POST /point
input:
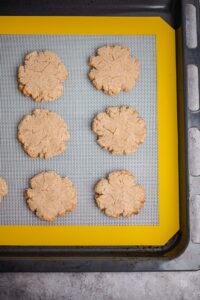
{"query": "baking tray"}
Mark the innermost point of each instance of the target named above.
(84, 161)
(178, 252)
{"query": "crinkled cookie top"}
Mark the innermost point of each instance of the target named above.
(51, 195)
(42, 76)
(3, 188)
(119, 194)
(119, 130)
(113, 69)
(43, 134)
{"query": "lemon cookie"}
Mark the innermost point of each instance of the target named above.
(42, 76)
(119, 130)
(119, 194)
(3, 188)
(51, 195)
(43, 134)
(114, 69)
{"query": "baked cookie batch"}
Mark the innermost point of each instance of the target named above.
(44, 133)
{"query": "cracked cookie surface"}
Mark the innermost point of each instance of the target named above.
(113, 69)
(119, 194)
(119, 129)
(42, 76)
(43, 134)
(3, 188)
(51, 195)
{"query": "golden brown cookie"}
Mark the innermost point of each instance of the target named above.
(119, 130)
(113, 69)
(51, 195)
(3, 188)
(42, 76)
(43, 134)
(119, 194)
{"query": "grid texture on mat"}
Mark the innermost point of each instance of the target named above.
(84, 162)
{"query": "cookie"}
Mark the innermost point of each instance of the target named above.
(119, 194)
(3, 188)
(119, 130)
(43, 134)
(113, 69)
(42, 76)
(51, 195)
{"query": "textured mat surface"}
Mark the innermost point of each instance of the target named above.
(84, 162)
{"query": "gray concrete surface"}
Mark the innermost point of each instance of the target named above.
(101, 286)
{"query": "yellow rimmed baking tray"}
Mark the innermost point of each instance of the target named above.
(168, 185)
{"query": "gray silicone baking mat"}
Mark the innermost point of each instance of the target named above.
(84, 162)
